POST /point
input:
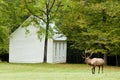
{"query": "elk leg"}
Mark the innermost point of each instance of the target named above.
(102, 68)
(98, 69)
(93, 70)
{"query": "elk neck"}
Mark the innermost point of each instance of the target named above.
(88, 60)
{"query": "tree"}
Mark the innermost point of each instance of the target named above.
(92, 25)
(46, 11)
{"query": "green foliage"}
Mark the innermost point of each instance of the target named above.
(4, 39)
(12, 14)
(92, 25)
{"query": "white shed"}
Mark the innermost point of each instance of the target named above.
(28, 48)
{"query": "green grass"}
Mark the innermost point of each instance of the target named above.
(55, 72)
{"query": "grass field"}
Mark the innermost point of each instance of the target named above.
(55, 72)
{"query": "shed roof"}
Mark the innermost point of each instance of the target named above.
(59, 37)
(56, 36)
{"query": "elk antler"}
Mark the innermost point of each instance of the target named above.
(91, 54)
(84, 54)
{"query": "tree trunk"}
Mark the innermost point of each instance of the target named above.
(47, 29)
(45, 50)
(46, 40)
(116, 60)
(105, 58)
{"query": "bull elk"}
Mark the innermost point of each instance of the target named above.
(94, 62)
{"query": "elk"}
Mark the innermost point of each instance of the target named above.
(94, 62)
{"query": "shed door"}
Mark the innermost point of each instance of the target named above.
(59, 51)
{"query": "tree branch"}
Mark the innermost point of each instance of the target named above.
(52, 6)
(33, 13)
(42, 11)
(58, 6)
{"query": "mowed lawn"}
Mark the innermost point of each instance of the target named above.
(55, 72)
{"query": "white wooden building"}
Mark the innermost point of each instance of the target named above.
(28, 48)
